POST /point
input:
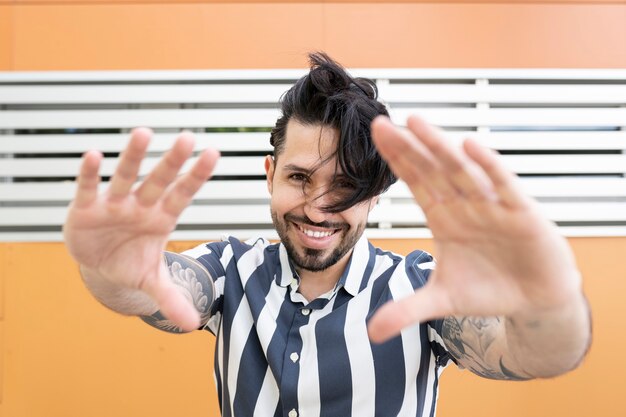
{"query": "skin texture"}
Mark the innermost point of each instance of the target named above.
(118, 236)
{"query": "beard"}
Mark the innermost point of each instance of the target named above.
(316, 260)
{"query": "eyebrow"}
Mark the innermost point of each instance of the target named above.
(296, 168)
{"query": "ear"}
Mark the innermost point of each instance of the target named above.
(269, 172)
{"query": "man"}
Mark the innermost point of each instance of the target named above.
(304, 327)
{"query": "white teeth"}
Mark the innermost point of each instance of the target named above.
(317, 235)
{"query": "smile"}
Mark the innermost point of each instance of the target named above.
(316, 233)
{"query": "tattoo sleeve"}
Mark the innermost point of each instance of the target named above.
(473, 342)
(194, 281)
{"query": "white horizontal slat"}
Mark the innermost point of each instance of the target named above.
(565, 164)
(171, 118)
(292, 74)
(259, 141)
(192, 118)
(142, 94)
(392, 214)
(79, 143)
(193, 215)
(590, 187)
(270, 233)
(271, 93)
(533, 140)
(253, 165)
(408, 214)
(503, 93)
(593, 187)
(244, 190)
(548, 117)
(69, 167)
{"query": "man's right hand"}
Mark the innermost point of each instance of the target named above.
(119, 235)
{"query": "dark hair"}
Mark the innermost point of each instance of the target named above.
(329, 96)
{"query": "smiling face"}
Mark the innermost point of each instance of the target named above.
(302, 180)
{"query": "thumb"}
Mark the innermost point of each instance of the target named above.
(427, 303)
(173, 304)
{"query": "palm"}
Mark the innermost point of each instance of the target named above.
(496, 253)
(120, 234)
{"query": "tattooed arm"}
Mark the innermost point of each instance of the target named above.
(520, 347)
(189, 277)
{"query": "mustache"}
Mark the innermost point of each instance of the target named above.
(306, 220)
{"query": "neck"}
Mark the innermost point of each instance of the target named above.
(315, 283)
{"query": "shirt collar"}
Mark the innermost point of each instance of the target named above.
(351, 277)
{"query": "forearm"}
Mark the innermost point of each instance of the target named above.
(523, 346)
(549, 343)
(120, 299)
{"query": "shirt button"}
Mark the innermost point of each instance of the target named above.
(306, 311)
(294, 357)
(293, 413)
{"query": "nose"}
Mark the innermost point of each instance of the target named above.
(314, 204)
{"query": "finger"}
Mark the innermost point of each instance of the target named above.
(411, 162)
(179, 196)
(427, 303)
(166, 170)
(172, 303)
(88, 179)
(504, 181)
(130, 160)
(461, 171)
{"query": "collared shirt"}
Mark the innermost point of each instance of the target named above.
(279, 355)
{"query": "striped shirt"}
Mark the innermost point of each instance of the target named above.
(279, 355)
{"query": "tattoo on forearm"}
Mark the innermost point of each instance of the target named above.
(469, 338)
(194, 281)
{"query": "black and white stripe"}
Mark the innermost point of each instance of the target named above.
(278, 355)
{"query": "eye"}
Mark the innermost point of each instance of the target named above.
(298, 177)
(346, 185)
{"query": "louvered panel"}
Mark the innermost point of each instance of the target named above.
(564, 131)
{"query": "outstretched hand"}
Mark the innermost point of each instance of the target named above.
(120, 234)
(497, 254)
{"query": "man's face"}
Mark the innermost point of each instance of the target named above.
(315, 240)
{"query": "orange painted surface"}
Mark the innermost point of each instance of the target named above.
(185, 36)
(277, 35)
(480, 35)
(305, 1)
(67, 356)
(6, 37)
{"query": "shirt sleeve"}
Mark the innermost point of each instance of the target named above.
(419, 266)
(214, 256)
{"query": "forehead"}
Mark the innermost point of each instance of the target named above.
(307, 145)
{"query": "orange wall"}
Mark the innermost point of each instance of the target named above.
(63, 355)
(66, 35)
(67, 356)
